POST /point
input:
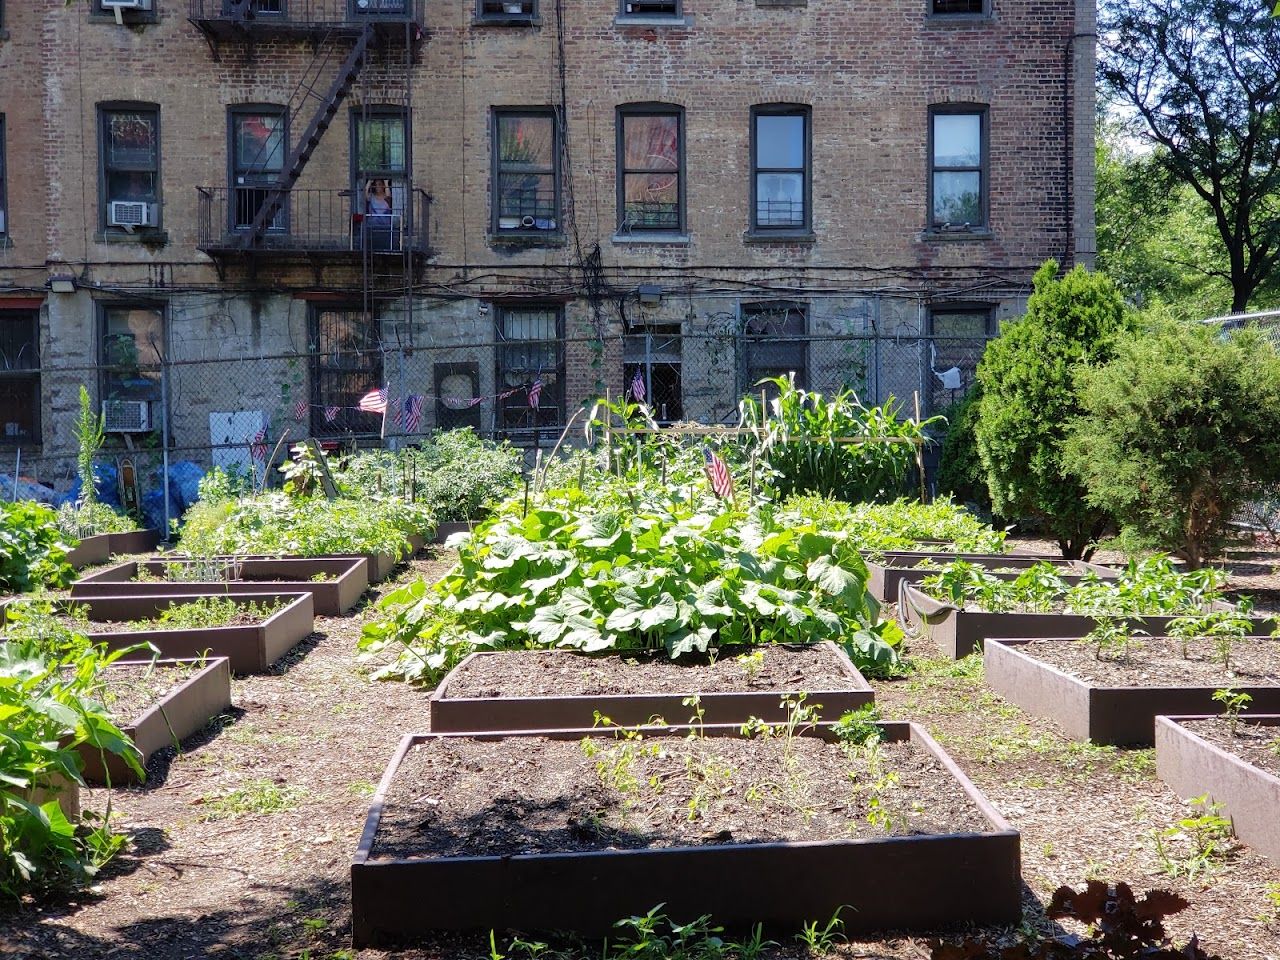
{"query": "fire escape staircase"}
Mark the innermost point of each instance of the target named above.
(330, 102)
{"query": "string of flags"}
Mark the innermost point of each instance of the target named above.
(411, 411)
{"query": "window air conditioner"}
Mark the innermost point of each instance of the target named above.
(131, 213)
(126, 4)
(1, 223)
(126, 416)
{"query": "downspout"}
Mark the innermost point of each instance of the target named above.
(1070, 102)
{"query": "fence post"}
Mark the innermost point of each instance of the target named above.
(164, 444)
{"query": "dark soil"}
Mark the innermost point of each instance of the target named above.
(464, 797)
(550, 674)
(275, 885)
(127, 691)
(1255, 743)
(242, 618)
(1158, 662)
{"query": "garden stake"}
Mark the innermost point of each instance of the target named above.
(526, 494)
(919, 445)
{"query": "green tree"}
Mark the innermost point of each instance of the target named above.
(960, 470)
(1028, 401)
(1181, 429)
(1202, 78)
(1156, 239)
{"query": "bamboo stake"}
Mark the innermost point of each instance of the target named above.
(919, 444)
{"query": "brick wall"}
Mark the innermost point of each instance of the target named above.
(868, 73)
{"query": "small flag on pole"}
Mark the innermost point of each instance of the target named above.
(637, 385)
(300, 409)
(330, 414)
(535, 393)
(412, 412)
(258, 448)
(718, 474)
(375, 401)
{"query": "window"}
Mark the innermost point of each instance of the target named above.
(19, 377)
(958, 335)
(132, 14)
(949, 7)
(380, 175)
(773, 343)
(530, 349)
(4, 205)
(379, 8)
(130, 158)
(654, 352)
(258, 143)
(269, 8)
(526, 172)
(651, 8)
(346, 363)
(957, 180)
(650, 169)
(133, 349)
(780, 168)
(507, 10)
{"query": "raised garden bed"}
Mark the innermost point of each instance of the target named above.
(135, 541)
(1198, 755)
(557, 689)
(447, 529)
(345, 580)
(1117, 702)
(957, 633)
(522, 831)
(158, 705)
(250, 648)
(90, 551)
(894, 568)
(66, 791)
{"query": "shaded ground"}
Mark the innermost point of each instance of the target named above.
(241, 845)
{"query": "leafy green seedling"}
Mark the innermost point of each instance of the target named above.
(1233, 701)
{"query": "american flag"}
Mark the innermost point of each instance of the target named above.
(637, 385)
(300, 409)
(258, 448)
(508, 393)
(474, 402)
(412, 412)
(718, 474)
(330, 414)
(535, 393)
(397, 416)
(375, 401)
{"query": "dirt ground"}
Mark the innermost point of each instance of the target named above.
(240, 846)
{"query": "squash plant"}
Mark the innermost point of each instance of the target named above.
(33, 550)
(635, 566)
(46, 714)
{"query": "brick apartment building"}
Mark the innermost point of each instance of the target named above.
(224, 215)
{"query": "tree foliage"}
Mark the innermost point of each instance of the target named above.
(1156, 238)
(1182, 428)
(1028, 401)
(960, 471)
(1203, 80)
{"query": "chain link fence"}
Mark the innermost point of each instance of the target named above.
(175, 419)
